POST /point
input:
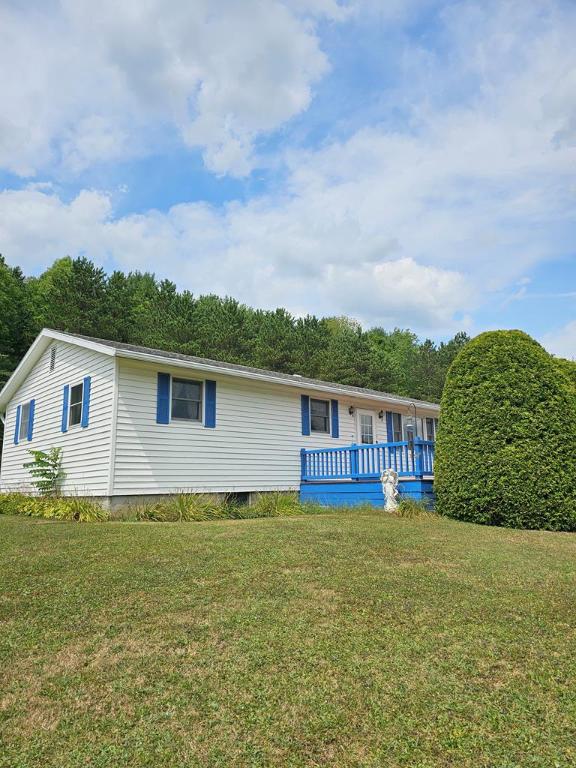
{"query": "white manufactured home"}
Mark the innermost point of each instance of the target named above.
(135, 422)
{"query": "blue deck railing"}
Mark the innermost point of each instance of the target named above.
(355, 462)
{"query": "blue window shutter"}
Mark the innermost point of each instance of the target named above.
(31, 419)
(305, 405)
(17, 426)
(65, 403)
(163, 399)
(389, 427)
(335, 424)
(210, 404)
(86, 402)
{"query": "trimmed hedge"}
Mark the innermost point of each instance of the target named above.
(506, 448)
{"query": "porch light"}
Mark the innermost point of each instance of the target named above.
(351, 410)
(412, 421)
(380, 415)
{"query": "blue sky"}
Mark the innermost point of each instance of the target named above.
(407, 162)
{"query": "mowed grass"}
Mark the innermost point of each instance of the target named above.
(347, 639)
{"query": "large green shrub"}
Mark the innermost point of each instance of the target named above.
(506, 449)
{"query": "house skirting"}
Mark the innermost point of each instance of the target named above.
(354, 492)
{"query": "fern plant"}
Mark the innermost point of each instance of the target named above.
(46, 469)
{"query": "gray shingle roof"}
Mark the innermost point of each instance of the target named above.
(294, 379)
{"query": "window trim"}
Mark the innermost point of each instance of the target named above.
(434, 427)
(23, 435)
(399, 431)
(328, 416)
(79, 423)
(200, 419)
(374, 416)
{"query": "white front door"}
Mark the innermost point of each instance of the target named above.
(366, 427)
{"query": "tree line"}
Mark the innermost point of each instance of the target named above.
(77, 296)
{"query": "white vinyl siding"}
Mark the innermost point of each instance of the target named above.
(255, 445)
(86, 452)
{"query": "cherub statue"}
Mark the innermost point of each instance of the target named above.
(389, 481)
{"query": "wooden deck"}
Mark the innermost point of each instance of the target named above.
(352, 475)
(358, 462)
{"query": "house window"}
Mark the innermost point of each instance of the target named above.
(76, 397)
(186, 399)
(24, 420)
(320, 416)
(396, 427)
(431, 427)
(366, 428)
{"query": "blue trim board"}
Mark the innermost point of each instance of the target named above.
(85, 419)
(389, 427)
(31, 419)
(210, 408)
(17, 425)
(305, 409)
(354, 492)
(421, 490)
(163, 399)
(335, 421)
(65, 402)
(343, 494)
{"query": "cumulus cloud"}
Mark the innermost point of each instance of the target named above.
(225, 252)
(89, 84)
(415, 226)
(562, 341)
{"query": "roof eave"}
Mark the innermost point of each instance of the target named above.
(39, 345)
(271, 379)
(47, 335)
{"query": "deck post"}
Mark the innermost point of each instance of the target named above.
(303, 463)
(418, 457)
(354, 461)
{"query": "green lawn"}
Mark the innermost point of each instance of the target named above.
(336, 640)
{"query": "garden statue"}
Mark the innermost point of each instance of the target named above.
(390, 488)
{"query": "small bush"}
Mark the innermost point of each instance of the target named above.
(46, 469)
(273, 504)
(411, 508)
(64, 508)
(184, 507)
(198, 507)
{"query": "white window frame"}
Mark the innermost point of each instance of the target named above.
(23, 433)
(434, 421)
(399, 431)
(200, 419)
(417, 427)
(79, 423)
(320, 431)
(374, 415)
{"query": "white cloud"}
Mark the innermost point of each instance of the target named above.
(89, 84)
(562, 341)
(261, 258)
(415, 227)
